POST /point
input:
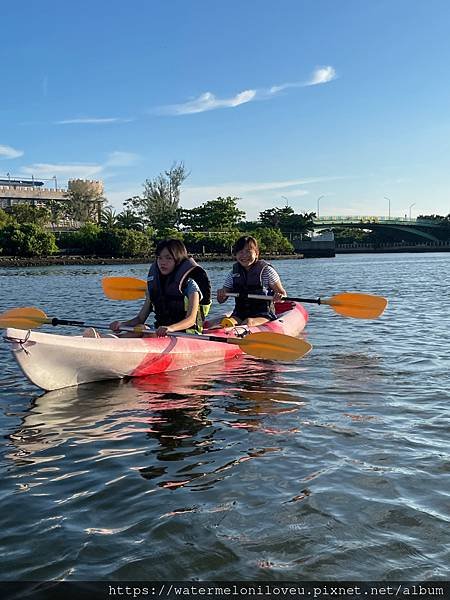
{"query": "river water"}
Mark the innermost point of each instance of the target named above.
(334, 467)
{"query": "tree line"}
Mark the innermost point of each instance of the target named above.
(210, 228)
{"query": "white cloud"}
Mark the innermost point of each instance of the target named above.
(9, 152)
(82, 171)
(322, 75)
(92, 121)
(208, 101)
(69, 171)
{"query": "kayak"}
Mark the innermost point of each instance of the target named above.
(53, 361)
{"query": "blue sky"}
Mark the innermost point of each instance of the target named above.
(272, 102)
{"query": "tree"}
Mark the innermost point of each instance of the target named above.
(27, 213)
(128, 219)
(27, 239)
(287, 220)
(4, 218)
(108, 217)
(159, 203)
(221, 214)
(83, 202)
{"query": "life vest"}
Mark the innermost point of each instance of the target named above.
(250, 282)
(167, 293)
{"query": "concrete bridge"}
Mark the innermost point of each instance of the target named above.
(401, 227)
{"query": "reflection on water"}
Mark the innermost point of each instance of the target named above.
(332, 467)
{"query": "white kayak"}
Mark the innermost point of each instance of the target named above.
(53, 361)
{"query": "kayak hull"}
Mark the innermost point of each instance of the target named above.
(53, 361)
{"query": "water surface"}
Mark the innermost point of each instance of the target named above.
(334, 467)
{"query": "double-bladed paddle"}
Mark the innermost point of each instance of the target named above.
(348, 304)
(271, 346)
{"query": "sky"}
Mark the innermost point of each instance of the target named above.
(336, 107)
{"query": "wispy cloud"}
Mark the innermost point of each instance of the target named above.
(114, 159)
(9, 152)
(92, 121)
(208, 101)
(68, 171)
(121, 159)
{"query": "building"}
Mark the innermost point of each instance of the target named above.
(33, 192)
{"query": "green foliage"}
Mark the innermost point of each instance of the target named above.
(82, 204)
(123, 243)
(27, 213)
(108, 217)
(166, 233)
(221, 214)
(128, 219)
(272, 240)
(27, 239)
(350, 235)
(199, 242)
(159, 203)
(86, 237)
(287, 220)
(5, 219)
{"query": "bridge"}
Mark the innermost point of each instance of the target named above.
(401, 227)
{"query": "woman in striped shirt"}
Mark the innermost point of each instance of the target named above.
(251, 275)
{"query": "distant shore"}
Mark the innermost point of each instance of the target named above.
(18, 261)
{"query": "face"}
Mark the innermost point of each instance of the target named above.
(247, 256)
(165, 261)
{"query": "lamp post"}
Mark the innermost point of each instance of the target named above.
(389, 200)
(318, 204)
(56, 183)
(410, 207)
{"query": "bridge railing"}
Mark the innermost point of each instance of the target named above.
(331, 220)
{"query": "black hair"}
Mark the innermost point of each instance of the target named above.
(176, 249)
(243, 241)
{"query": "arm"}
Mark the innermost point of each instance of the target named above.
(278, 291)
(187, 322)
(275, 284)
(139, 319)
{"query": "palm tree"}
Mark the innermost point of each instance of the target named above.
(108, 217)
(128, 219)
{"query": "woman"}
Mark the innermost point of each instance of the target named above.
(178, 291)
(251, 275)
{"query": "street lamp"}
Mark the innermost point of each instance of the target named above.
(389, 200)
(9, 178)
(318, 204)
(56, 183)
(410, 207)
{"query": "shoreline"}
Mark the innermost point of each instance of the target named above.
(16, 261)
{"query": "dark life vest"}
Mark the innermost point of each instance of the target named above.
(250, 282)
(167, 293)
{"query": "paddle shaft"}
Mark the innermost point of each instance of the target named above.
(213, 338)
(270, 298)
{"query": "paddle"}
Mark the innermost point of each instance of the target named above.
(348, 304)
(271, 346)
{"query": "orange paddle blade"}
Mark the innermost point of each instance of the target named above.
(357, 305)
(124, 288)
(273, 346)
(23, 318)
